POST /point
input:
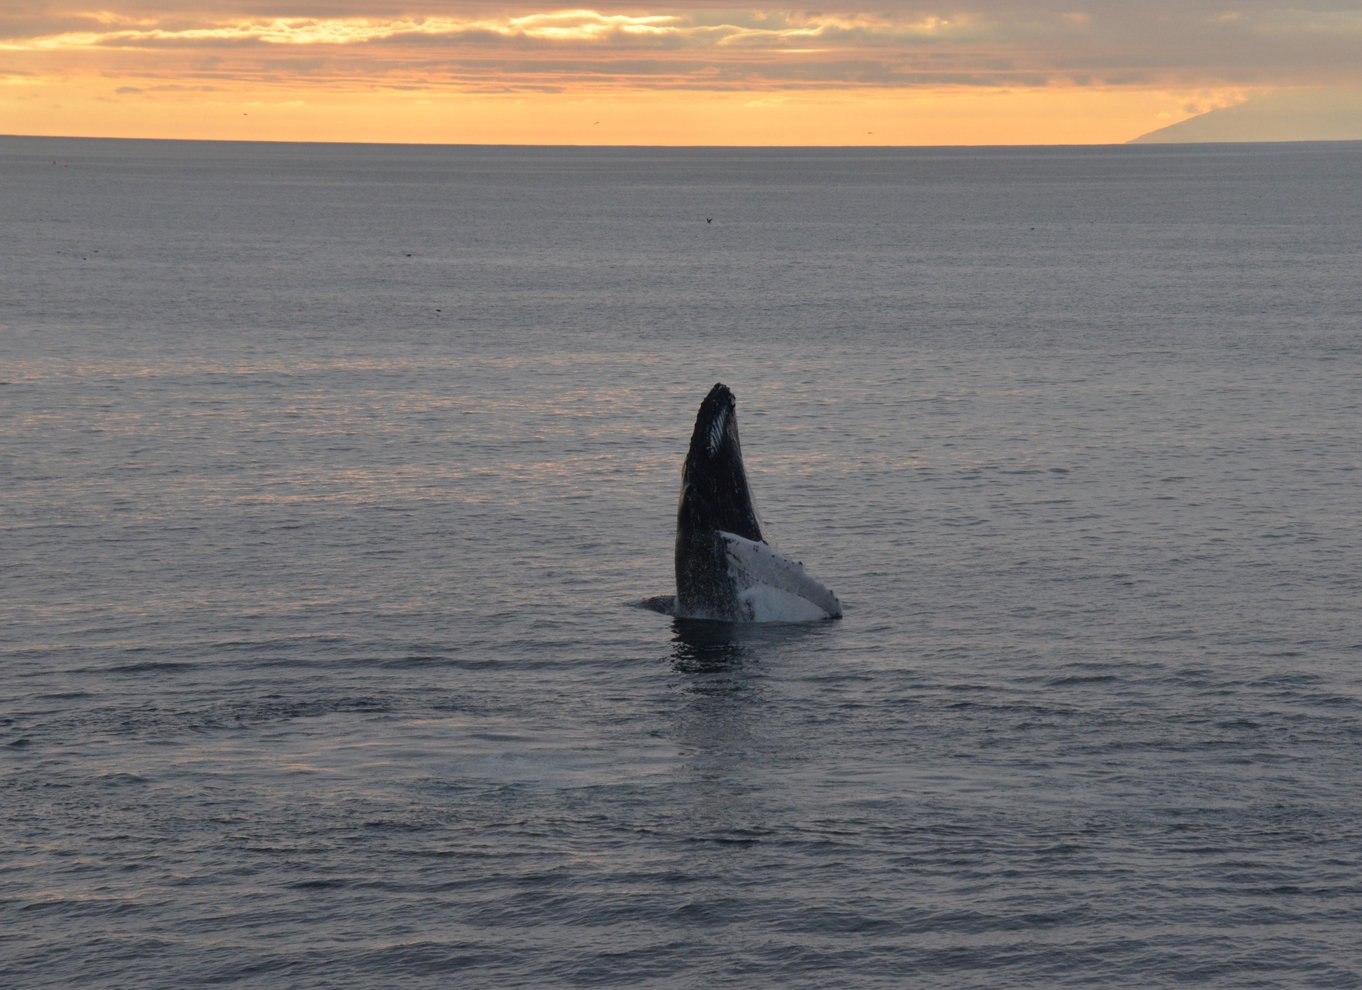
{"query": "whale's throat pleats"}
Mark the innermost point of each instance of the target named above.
(716, 430)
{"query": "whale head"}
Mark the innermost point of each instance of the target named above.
(714, 490)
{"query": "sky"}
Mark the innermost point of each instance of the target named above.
(673, 72)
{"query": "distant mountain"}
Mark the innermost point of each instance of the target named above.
(1299, 115)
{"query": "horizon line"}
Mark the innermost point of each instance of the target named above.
(1132, 142)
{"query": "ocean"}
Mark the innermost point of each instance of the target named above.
(335, 479)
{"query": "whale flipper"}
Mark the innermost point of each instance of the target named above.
(775, 588)
(725, 569)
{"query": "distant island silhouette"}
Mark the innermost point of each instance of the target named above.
(1289, 115)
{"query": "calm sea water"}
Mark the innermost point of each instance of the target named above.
(332, 479)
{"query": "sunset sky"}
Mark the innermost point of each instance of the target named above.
(901, 72)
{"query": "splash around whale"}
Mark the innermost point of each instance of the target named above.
(725, 569)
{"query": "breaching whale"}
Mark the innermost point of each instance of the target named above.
(725, 569)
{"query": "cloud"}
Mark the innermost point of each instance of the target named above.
(164, 88)
(561, 29)
(906, 43)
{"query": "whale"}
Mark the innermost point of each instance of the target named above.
(726, 571)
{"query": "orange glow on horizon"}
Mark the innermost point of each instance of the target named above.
(759, 118)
